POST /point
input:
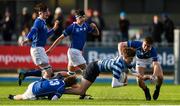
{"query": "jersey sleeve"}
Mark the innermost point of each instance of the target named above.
(60, 90)
(154, 54)
(134, 44)
(68, 30)
(50, 32)
(34, 29)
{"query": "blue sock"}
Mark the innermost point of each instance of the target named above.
(36, 73)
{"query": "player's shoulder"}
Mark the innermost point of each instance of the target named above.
(153, 49)
(38, 21)
(86, 23)
(134, 43)
(72, 25)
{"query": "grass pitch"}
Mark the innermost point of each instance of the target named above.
(103, 94)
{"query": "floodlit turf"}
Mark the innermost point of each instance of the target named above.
(103, 95)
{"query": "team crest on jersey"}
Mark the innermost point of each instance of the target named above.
(77, 29)
(80, 29)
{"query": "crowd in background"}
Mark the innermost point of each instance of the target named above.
(162, 26)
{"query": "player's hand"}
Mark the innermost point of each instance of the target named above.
(146, 77)
(55, 97)
(56, 25)
(140, 76)
(23, 43)
(93, 25)
(153, 79)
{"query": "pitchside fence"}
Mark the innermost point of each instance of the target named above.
(177, 56)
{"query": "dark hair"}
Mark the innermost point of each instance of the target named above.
(80, 12)
(148, 40)
(129, 52)
(41, 7)
(69, 81)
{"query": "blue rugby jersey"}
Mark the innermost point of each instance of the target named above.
(142, 54)
(78, 34)
(116, 66)
(47, 87)
(39, 33)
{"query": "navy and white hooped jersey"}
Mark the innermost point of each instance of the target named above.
(78, 34)
(140, 53)
(116, 66)
(39, 33)
(47, 87)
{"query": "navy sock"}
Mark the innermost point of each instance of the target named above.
(36, 73)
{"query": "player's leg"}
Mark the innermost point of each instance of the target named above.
(157, 71)
(47, 71)
(81, 89)
(40, 58)
(82, 67)
(71, 69)
(75, 60)
(89, 76)
(24, 74)
(16, 97)
(28, 94)
(142, 84)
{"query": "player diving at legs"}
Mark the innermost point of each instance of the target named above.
(115, 65)
(37, 36)
(51, 89)
(146, 55)
(77, 32)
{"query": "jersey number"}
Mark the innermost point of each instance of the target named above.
(54, 82)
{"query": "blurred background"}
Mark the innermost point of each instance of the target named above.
(117, 20)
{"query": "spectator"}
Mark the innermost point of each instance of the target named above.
(33, 17)
(71, 18)
(58, 16)
(23, 37)
(24, 18)
(168, 28)
(89, 14)
(7, 27)
(156, 29)
(49, 21)
(99, 21)
(124, 26)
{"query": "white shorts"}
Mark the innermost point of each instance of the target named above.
(143, 62)
(39, 56)
(75, 57)
(29, 94)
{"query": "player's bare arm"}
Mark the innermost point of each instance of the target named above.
(121, 46)
(56, 25)
(56, 42)
(25, 42)
(96, 29)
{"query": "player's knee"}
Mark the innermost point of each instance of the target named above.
(47, 71)
(160, 78)
(82, 66)
(140, 82)
(82, 92)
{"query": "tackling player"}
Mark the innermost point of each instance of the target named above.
(37, 36)
(116, 65)
(77, 32)
(145, 55)
(53, 89)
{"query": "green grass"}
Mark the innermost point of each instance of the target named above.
(103, 95)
